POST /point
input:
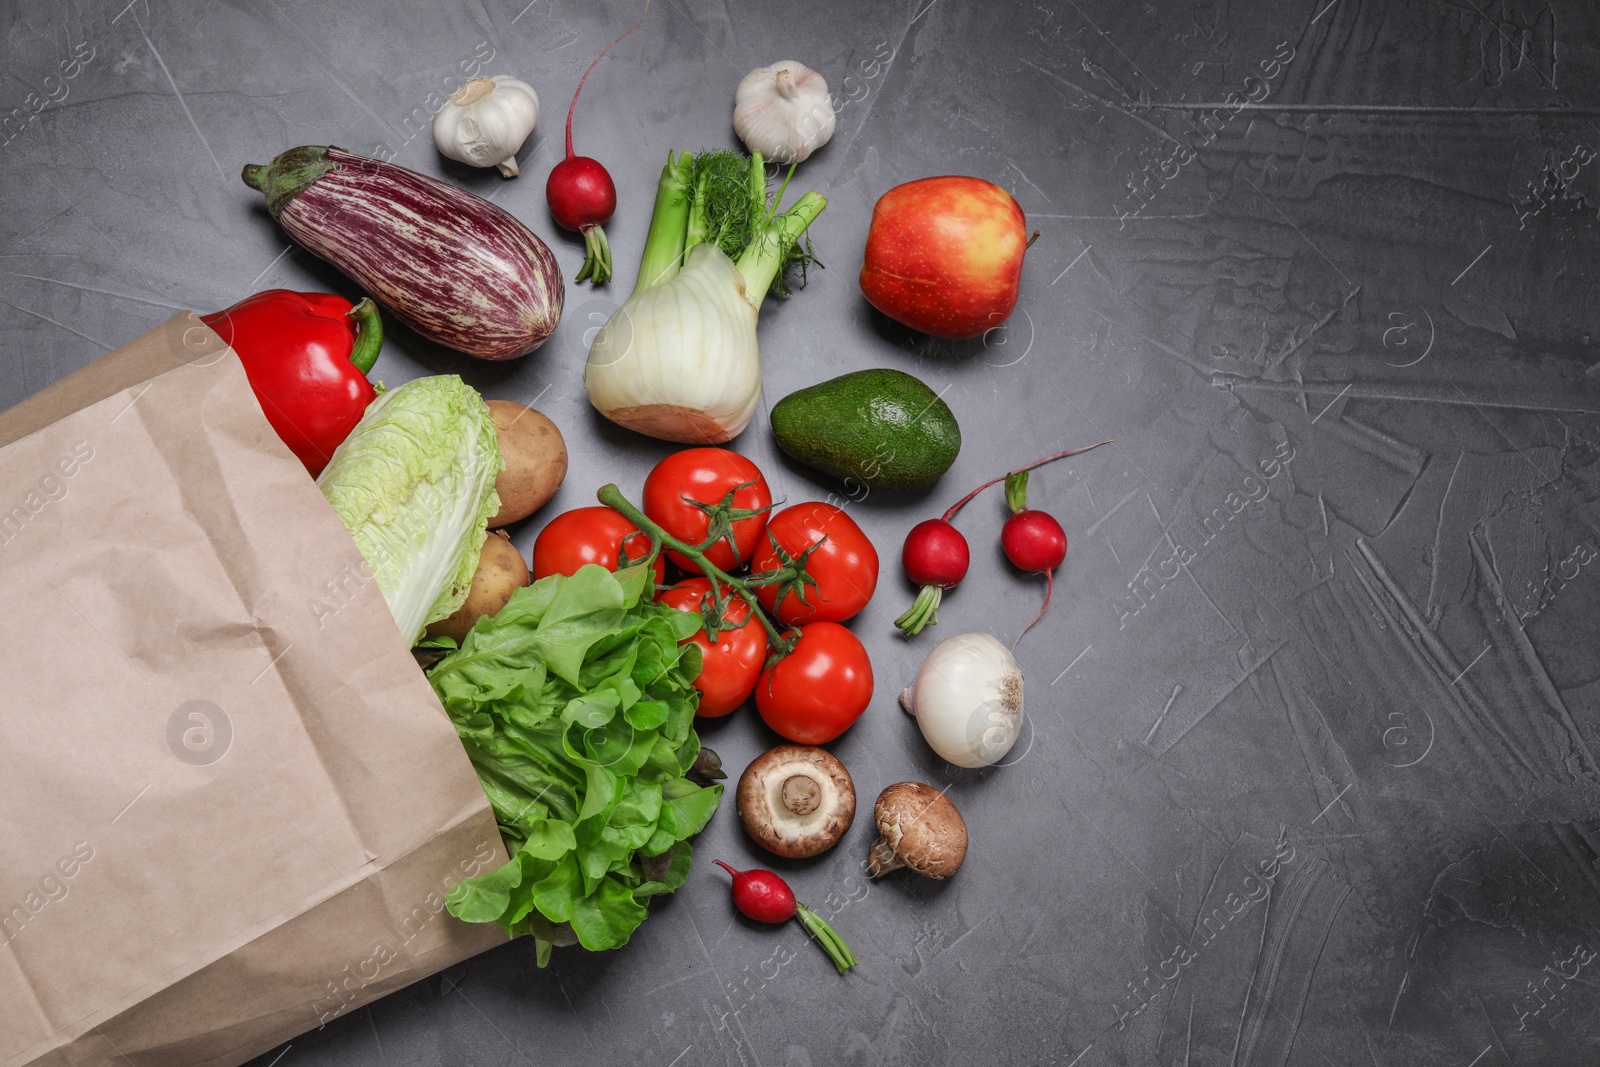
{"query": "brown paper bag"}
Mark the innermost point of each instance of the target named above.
(230, 805)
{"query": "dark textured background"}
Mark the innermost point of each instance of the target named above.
(1377, 280)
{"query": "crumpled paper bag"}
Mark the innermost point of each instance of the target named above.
(230, 805)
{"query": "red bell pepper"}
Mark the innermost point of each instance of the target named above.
(307, 356)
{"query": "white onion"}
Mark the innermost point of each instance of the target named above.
(967, 699)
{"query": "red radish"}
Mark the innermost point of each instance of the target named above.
(761, 895)
(936, 555)
(1033, 541)
(580, 190)
(766, 898)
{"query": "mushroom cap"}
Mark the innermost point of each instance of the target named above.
(796, 800)
(922, 828)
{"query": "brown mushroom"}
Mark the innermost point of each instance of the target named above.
(796, 800)
(920, 829)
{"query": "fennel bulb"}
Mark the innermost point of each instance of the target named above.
(679, 359)
(414, 484)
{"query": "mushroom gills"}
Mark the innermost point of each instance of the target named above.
(796, 801)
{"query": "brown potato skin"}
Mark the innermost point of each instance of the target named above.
(501, 572)
(536, 460)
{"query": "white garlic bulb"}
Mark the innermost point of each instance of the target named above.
(783, 111)
(485, 123)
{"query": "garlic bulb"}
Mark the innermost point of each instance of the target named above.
(783, 111)
(485, 123)
(678, 360)
(967, 700)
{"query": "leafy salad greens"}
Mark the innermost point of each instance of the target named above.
(576, 705)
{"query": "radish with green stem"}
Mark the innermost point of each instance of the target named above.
(766, 898)
(580, 191)
(1032, 540)
(936, 556)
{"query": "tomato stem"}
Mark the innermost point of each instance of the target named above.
(721, 516)
(612, 497)
(964, 501)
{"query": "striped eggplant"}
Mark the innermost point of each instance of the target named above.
(451, 265)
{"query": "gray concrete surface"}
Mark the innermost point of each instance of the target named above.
(1329, 608)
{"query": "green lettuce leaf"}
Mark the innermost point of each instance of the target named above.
(607, 917)
(677, 873)
(414, 484)
(576, 706)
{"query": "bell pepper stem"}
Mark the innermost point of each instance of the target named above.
(369, 334)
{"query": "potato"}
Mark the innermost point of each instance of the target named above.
(501, 572)
(536, 460)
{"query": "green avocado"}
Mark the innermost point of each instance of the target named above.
(880, 428)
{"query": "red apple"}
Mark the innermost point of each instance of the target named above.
(944, 255)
